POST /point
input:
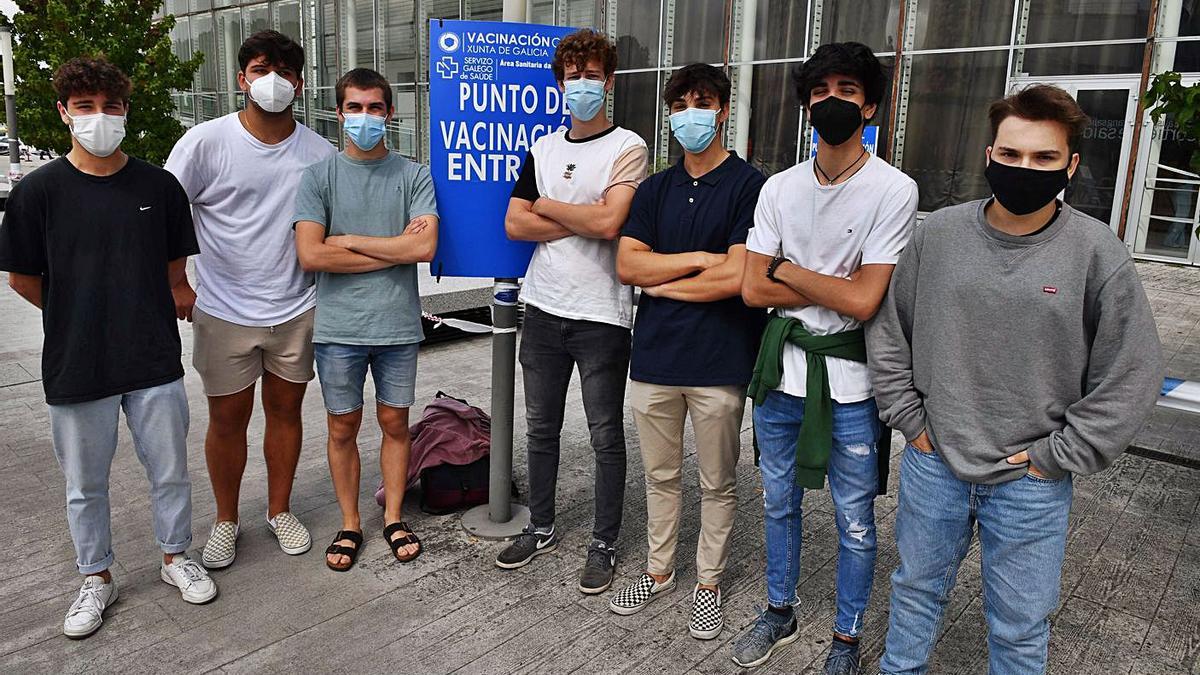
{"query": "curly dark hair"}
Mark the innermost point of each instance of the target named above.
(85, 75)
(582, 46)
(279, 49)
(1042, 103)
(697, 78)
(841, 58)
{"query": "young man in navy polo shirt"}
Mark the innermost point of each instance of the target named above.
(694, 340)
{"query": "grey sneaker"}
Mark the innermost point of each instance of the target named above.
(842, 659)
(598, 571)
(528, 545)
(770, 631)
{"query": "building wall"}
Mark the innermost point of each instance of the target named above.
(950, 58)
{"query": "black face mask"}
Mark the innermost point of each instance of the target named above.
(1023, 191)
(835, 119)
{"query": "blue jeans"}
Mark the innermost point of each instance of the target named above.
(343, 372)
(85, 440)
(1022, 534)
(853, 475)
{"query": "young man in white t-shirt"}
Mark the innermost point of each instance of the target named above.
(827, 234)
(572, 197)
(253, 308)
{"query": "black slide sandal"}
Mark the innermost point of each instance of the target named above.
(411, 538)
(337, 549)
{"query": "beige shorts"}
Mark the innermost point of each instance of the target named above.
(231, 357)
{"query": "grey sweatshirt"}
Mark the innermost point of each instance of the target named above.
(994, 344)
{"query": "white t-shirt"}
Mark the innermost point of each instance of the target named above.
(833, 230)
(576, 277)
(243, 194)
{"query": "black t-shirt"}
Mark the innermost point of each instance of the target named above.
(696, 344)
(101, 244)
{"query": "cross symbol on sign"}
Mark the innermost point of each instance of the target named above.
(447, 67)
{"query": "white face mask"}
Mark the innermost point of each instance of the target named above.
(99, 134)
(272, 93)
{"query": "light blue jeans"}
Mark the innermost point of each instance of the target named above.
(85, 441)
(853, 475)
(1022, 534)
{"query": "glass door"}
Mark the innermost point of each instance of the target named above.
(1098, 186)
(1166, 209)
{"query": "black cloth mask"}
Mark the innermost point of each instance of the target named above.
(835, 119)
(1022, 190)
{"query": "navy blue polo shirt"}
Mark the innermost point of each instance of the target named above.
(695, 344)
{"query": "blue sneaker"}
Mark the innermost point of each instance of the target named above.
(757, 644)
(842, 659)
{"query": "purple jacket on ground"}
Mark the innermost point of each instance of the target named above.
(449, 432)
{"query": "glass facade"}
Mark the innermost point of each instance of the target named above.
(949, 59)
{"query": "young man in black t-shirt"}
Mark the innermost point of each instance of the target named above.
(96, 239)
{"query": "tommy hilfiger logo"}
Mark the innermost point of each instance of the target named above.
(569, 172)
(1050, 290)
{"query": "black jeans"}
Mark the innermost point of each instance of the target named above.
(551, 346)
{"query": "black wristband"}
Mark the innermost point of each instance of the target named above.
(775, 263)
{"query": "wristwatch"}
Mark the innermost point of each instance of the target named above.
(775, 263)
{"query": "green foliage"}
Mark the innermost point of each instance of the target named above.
(50, 32)
(1166, 95)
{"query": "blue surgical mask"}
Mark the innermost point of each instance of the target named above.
(694, 128)
(584, 98)
(364, 130)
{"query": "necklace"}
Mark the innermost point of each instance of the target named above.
(831, 181)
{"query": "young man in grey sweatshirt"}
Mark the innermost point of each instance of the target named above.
(1015, 349)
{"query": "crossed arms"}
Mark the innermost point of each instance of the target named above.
(548, 220)
(355, 253)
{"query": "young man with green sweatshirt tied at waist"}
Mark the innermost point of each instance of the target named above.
(826, 236)
(1015, 349)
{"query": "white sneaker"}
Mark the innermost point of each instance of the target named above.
(292, 535)
(87, 612)
(192, 581)
(221, 547)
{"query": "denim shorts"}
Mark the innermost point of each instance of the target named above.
(342, 370)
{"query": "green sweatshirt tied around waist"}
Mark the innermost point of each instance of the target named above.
(816, 430)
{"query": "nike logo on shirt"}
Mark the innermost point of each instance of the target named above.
(143, 208)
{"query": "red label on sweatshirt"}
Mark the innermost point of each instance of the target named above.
(1050, 289)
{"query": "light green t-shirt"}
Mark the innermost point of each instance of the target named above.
(376, 198)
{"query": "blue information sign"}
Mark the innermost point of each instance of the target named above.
(491, 95)
(870, 139)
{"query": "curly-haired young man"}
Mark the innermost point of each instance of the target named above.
(572, 198)
(102, 277)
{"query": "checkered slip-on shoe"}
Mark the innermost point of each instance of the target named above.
(221, 548)
(634, 597)
(292, 535)
(706, 622)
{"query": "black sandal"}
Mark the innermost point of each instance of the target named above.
(337, 549)
(410, 539)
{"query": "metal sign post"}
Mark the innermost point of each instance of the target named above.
(468, 58)
(10, 105)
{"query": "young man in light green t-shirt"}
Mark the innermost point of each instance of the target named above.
(364, 219)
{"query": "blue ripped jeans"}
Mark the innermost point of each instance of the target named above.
(853, 476)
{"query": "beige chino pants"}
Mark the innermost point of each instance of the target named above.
(659, 412)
